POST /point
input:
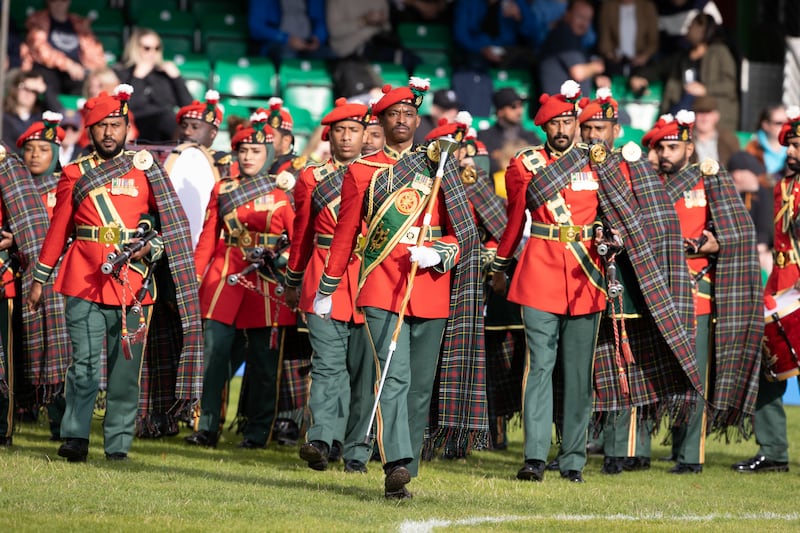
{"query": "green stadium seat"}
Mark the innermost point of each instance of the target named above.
(302, 119)
(439, 76)
(112, 45)
(519, 80)
(391, 73)
(744, 137)
(235, 106)
(232, 26)
(212, 8)
(425, 36)
(20, 11)
(482, 123)
(304, 72)
(194, 67)
(245, 78)
(136, 9)
(433, 58)
(69, 101)
(225, 49)
(317, 100)
(629, 134)
(107, 21)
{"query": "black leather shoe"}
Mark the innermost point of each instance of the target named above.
(669, 458)
(612, 465)
(397, 477)
(5, 442)
(399, 494)
(759, 463)
(354, 466)
(75, 450)
(636, 463)
(553, 465)
(315, 453)
(248, 444)
(336, 451)
(573, 476)
(117, 456)
(203, 438)
(686, 468)
(531, 471)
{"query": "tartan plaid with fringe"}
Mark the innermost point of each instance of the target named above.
(739, 321)
(664, 373)
(47, 375)
(176, 377)
(458, 417)
(24, 213)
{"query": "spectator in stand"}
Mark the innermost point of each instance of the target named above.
(746, 172)
(548, 13)
(628, 35)
(421, 11)
(707, 68)
(445, 105)
(712, 141)
(288, 28)
(564, 56)
(494, 33)
(61, 46)
(157, 84)
(70, 149)
(26, 97)
(13, 58)
(674, 17)
(507, 129)
(766, 146)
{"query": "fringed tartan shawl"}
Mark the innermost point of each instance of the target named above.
(739, 321)
(26, 216)
(459, 416)
(664, 373)
(181, 378)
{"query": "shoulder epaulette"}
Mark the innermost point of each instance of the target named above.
(532, 158)
(81, 159)
(323, 170)
(228, 184)
(527, 149)
(222, 158)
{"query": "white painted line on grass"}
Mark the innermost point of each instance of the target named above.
(427, 526)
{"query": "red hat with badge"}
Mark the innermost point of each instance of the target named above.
(279, 116)
(346, 111)
(456, 129)
(411, 95)
(647, 138)
(208, 111)
(108, 105)
(604, 107)
(564, 104)
(678, 129)
(45, 130)
(259, 131)
(791, 128)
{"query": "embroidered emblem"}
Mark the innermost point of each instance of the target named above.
(597, 153)
(406, 202)
(379, 237)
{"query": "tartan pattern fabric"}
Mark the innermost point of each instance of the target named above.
(26, 216)
(664, 368)
(505, 366)
(553, 178)
(459, 414)
(248, 190)
(296, 369)
(739, 322)
(491, 209)
(327, 190)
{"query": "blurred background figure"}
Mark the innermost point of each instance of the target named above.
(746, 172)
(61, 46)
(70, 149)
(712, 141)
(283, 29)
(25, 97)
(445, 105)
(628, 35)
(765, 144)
(158, 88)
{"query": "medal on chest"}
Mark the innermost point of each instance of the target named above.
(422, 183)
(583, 181)
(264, 203)
(51, 199)
(124, 187)
(695, 198)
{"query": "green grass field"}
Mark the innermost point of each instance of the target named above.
(169, 486)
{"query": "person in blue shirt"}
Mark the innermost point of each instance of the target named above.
(289, 28)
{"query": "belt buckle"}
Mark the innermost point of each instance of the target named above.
(780, 260)
(569, 233)
(108, 234)
(245, 239)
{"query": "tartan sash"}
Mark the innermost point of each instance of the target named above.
(98, 176)
(328, 189)
(490, 208)
(247, 190)
(739, 320)
(554, 177)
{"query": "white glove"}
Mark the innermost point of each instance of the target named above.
(425, 257)
(322, 304)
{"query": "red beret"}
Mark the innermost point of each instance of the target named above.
(107, 105)
(325, 133)
(279, 116)
(648, 137)
(679, 129)
(258, 133)
(411, 95)
(345, 111)
(45, 130)
(443, 129)
(566, 103)
(604, 107)
(791, 128)
(207, 111)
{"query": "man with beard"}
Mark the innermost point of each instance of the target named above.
(769, 422)
(721, 256)
(558, 282)
(112, 199)
(199, 123)
(390, 190)
(342, 372)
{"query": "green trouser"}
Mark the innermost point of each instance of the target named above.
(572, 339)
(689, 440)
(405, 401)
(342, 378)
(7, 400)
(55, 412)
(769, 422)
(225, 348)
(625, 436)
(90, 324)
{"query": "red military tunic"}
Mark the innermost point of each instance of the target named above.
(693, 214)
(215, 260)
(785, 270)
(385, 286)
(548, 276)
(80, 274)
(310, 249)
